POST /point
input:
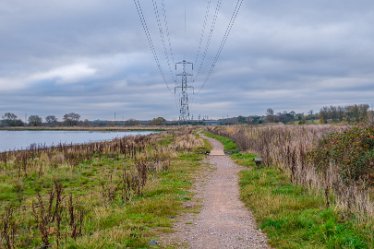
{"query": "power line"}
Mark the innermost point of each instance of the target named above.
(224, 40)
(212, 27)
(202, 35)
(202, 49)
(162, 37)
(167, 30)
(149, 39)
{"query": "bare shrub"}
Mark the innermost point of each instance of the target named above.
(8, 229)
(76, 216)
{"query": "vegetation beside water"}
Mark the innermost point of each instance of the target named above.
(291, 215)
(103, 195)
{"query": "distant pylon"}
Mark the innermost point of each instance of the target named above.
(184, 111)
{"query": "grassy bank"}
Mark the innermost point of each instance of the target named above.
(291, 216)
(110, 199)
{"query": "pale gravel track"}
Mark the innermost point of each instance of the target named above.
(223, 222)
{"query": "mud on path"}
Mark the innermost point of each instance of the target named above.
(223, 221)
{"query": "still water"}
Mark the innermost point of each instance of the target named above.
(15, 140)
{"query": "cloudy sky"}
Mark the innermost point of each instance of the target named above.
(92, 57)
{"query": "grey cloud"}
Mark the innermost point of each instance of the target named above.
(290, 54)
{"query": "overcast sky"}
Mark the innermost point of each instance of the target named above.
(92, 57)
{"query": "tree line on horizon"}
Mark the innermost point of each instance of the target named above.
(70, 119)
(327, 114)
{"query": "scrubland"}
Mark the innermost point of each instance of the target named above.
(116, 194)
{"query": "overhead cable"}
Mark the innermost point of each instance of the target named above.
(238, 5)
(150, 41)
(209, 39)
(162, 38)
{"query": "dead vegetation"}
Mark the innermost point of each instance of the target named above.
(290, 148)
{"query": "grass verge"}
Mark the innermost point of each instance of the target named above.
(229, 146)
(291, 216)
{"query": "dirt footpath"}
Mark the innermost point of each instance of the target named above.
(223, 222)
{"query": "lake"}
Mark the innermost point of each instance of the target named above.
(16, 140)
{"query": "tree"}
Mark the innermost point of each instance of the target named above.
(242, 120)
(158, 121)
(35, 120)
(51, 119)
(269, 111)
(324, 115)
(357, 113)
(284, 117)
(270, 115)
(71, 119)
(371, 117)
(10, 116)
(11, 119)
(132, 122)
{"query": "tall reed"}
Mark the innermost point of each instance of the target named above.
(289, 147)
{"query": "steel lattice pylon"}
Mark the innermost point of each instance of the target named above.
(184, 111)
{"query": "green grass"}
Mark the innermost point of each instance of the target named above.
(244, 159)
(135, 225)
(106, 225)
(229, 146)
(293, 217)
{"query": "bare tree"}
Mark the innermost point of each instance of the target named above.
(10, 116)
(51, 119)
(270, 115)
(11, 119)
(35, 120)
(158, 121)
(71, 118)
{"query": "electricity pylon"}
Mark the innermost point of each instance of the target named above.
(184, 111)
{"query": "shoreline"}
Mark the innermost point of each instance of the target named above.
(49, 144)
(82, 128)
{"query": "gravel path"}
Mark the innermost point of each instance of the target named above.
(223, 222)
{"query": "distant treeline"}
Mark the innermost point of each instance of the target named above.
(71, 119)
(327, 114)
(352, 113)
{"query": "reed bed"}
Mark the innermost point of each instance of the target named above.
(291, 148)
(53, 195)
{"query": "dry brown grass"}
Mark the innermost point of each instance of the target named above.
(287, 147)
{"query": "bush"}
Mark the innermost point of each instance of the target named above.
(352, 151)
